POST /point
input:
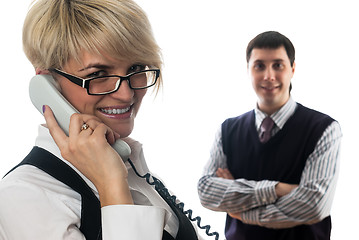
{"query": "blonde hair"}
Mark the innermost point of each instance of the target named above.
(56, 30)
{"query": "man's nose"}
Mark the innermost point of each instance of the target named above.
(269, 75)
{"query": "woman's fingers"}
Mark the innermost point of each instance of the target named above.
(102, 129)
(92, 123)
(75, 128)
(55, 130)
(89, 150)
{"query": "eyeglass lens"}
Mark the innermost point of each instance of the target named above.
(108, 84)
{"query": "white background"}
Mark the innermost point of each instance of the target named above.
(205, 82)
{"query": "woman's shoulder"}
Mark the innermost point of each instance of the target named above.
(29, 182)
(36, 204)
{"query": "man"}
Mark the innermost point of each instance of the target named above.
(275, 178)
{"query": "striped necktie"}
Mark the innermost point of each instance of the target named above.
(265, 129)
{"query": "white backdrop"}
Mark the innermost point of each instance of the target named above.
(205, 82)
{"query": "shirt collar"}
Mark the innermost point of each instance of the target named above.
(280, 117)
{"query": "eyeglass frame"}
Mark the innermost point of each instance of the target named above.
(85, 83)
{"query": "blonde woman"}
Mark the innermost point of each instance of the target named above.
(75, 41)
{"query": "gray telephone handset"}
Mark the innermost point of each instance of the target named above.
(43, 91)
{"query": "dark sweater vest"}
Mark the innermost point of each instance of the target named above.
(90, 205)
(282, 159)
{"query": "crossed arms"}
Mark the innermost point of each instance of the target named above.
(274, 204)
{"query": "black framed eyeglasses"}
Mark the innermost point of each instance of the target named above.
(108, 84)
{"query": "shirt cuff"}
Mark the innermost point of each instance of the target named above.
(264, 192)
(135, 222)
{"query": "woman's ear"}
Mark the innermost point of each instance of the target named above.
(42, 71)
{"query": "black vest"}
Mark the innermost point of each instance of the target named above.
(90, 205)
(282, 159)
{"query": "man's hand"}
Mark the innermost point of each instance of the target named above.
(283, 189)
(235, 215)
(224, 173)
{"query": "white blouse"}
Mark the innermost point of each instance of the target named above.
(34, 205)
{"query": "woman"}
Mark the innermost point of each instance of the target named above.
(87, 39)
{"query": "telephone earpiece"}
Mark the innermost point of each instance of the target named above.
(43, 90)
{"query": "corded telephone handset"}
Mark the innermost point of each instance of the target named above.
(43, 91)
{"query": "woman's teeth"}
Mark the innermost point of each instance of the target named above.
(115, 111)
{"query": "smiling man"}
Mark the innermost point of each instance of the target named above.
(273, 169)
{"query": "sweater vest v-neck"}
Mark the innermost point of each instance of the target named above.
(282, 159)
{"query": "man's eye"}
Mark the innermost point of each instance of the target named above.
(259, 66)
(278, 66)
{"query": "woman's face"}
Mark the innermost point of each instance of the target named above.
(117, 110)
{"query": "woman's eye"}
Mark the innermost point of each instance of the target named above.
(137, 68)
(96, 74)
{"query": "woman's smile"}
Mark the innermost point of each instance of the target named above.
(117, 112)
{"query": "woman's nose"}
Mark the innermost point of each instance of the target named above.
(124, 92)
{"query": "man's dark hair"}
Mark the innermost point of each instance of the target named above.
(271, 40)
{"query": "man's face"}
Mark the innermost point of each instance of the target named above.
(271, 73)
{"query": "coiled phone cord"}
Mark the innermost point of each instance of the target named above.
(160, 187)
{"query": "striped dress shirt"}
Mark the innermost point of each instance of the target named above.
(257, 201)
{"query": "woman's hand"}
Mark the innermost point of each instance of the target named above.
(90, 151)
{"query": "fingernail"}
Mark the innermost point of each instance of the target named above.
(117, 136)
(43, 108)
